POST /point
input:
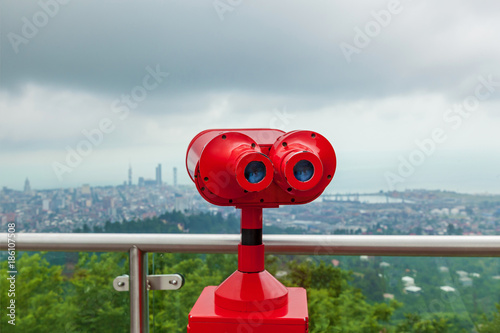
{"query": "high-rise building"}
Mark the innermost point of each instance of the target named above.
(86, 189)
(129, 175)
(158, 175)
(175, 177)
(27, 186)
(46, 205)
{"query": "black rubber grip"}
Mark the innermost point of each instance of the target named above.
(251, 236)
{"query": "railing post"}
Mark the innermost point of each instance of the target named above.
(139, 312)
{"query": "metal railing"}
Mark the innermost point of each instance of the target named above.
(138, 245)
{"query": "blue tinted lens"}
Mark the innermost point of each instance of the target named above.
(303, 170)
(255, 171)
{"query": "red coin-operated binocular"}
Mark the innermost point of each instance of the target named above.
(253, 169)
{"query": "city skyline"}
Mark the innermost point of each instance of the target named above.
(128, 181)
(87, 208)
(359, 180)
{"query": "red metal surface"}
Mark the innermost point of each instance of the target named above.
(223, 161)
(303, 145)
(251, 259)
(244, 292)
(207, 317)
(251, 218)
(251, 299)
(216, 166)
(265, 137)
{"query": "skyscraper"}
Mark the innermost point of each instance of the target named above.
(27, 186)
(129, 175)
(175, 177)
(86, 189)
(158, 175)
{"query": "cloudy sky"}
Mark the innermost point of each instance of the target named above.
(408, 92)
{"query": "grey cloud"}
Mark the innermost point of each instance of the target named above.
(281, 48)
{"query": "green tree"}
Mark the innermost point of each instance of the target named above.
(93, 304)
(169, 310)
(335, 305)
(39, 292)
(492, 326)
(415, 324)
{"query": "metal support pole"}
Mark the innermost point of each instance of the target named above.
(251, 258)
(139, 313)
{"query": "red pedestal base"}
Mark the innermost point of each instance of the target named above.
(206, 317)
(247, 292)
(251, 300)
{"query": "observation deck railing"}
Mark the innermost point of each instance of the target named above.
(138, 245)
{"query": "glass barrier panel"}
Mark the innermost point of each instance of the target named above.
(63, 292)
(352, 293)
(73, 292)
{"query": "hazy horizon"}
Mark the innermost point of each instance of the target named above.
(363, 179)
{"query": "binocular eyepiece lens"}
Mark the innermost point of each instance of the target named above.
(255, 171)
(303, 170)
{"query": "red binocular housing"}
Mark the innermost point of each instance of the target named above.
(254, 169)
(260, 167)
